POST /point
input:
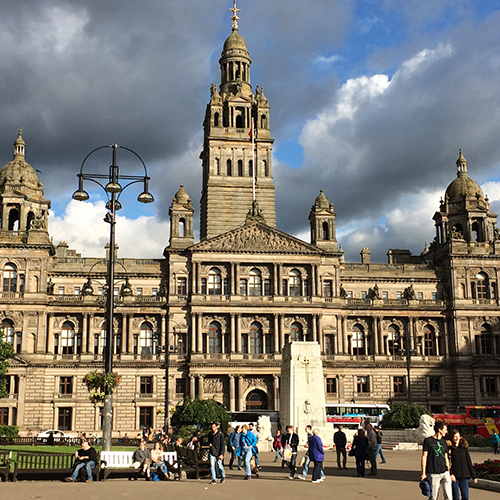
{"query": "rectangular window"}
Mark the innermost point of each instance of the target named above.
(60, 290)
(285, 287)
(399, 295)
(64, 418)
(363, 385)
(244, 344)
(331, 385)
(399, 385)
(4, 416)
(181, 286)
(146, 416)
(180, 386)
(77, 290)
(21, 283)
(363, 295)
(420, 296)
(267, 287)
(434, 295)
(385, 295)
(435, 385)
(154, 291)
(490, 385)
(268, 344)
(100, 290)
(329, 344)
(349, 294)
(146, 385)
(66, 385)
(225, 284)
(12, 384)
(203, 286)
(139, 291)
(243, 287)
(327, 288)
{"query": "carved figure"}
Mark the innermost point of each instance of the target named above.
(343, 293)
(409, 293)
(265, 434)
(425, 427)
(50, 287)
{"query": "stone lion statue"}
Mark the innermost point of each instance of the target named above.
(425, 427)
(264, 430)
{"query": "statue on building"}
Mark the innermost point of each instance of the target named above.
(343, 293)
(409, 293)
(50, 287)
(374, 293)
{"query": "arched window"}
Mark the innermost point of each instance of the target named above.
(482, 286)
(214, 338)
(67, 338)
(100, 340)
(263, 121)
(296, 332)
(216, 119)
(229, 168)
(182, 227)
(214, 282)
(294, 283)
(217, 166)
(324, 228)
(14, 219)
(240, 168)
(255, 282)
(429, 341)
(146, 338)
(393, 339)
(265, 168)
(9, 278)
(8, 332)
(255, 338)
(256, 400)
(29, 219)
(358, 340)
(239, 121)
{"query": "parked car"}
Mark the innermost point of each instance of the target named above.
(57, 434)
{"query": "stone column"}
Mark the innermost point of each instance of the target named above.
(192, 386)
(21, 397)
(276, 387)
(276, 288)
(232, 393)
(375, 335)
(201, 389)
(50, 334)
(233, 334)
(281, 331)
(199, 334)
(194, 281)
(85, 327)
(319, 333)
(241, 402)
(192, 336)
(276, 335)
(314, 328)
(232, 281)
(238, 333)
(345, 342)
(163, 330)
(130, 333)
(477, 391)
(237, 278)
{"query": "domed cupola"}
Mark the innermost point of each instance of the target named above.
(464, 213)
(181, 220)
(24, 209)
(322, 219)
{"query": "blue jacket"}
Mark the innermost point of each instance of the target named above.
(316, 451)
(246, 440)
(233, 440)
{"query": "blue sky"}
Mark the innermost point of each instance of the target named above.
(370, 101)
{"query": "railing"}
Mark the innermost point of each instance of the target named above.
(35, 440)
(12, 295)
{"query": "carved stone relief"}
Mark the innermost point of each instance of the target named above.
(206, 320)
(213, 385)
(246, 321)
(289, 320)
(256, 383)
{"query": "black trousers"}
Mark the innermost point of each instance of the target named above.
(291, 464)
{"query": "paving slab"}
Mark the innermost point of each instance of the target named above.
(397, 479)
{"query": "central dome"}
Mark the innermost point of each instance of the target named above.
(235, 42)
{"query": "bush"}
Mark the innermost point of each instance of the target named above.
(10, 431)
(490, 469)
(201, 412)
(405, 416)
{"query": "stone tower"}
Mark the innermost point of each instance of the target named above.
(236, 156)
(322, 219)
(181, 220)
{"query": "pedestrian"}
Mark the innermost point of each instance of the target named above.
(495, 442)
(217, 445)
(284, 437)
(435, 464)
(232, 445)
(461, 467)
(316, 453)
(145, 434)
(379, 434)
(142, 460)
(372, 448)
(277, 445)
(291, 444)
(360, 447)
(256, 449)
(340, 442)
(307, 458)
(245, 450)
(86, 458)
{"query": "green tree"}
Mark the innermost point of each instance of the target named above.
(6, 352)
(405, 416)
(198, 412)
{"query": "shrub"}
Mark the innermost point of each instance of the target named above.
(10, 431)
(405, 416)
(490, 469)
(200, 412)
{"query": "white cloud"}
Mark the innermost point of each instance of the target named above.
(83, 228)
(327, 60)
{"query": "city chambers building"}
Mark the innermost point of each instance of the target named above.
(210, 319)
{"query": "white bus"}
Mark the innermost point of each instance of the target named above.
(353, 415)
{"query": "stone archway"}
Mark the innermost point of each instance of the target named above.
(256, 400)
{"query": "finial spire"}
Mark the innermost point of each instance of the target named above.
(19, 145)
(235, 17)
(461, 164)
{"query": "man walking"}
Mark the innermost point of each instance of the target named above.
(340, 442)
(217, 445)
(372, 448)
(85, 457)
(435, 463)
(256, 449)
(379, 434)
(292, 442)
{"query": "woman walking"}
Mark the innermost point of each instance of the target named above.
(247, 443)
(360, 446)
(461, 467)
(317, 455)
(277, 445)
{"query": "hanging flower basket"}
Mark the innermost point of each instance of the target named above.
(100, 383)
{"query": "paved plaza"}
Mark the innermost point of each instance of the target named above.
(396, 480)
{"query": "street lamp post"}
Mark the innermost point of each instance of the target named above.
(406, 351)
(113, 191)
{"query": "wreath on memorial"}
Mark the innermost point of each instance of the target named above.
(99, 384)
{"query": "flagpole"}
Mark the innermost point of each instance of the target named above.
(253, 160)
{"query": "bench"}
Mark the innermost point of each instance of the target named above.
(5, 459)
(123, 462)
(191, 461)
(44, 464)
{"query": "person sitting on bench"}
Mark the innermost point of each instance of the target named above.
(85, 457)
(142, 460)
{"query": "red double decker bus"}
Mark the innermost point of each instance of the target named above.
(472, 420)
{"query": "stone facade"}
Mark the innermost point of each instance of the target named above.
(224, 308)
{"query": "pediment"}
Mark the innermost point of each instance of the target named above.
(256, 237)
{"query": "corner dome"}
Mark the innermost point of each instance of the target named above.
(19, 170)
(181, 197)
(463, 185)
(322, 201)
